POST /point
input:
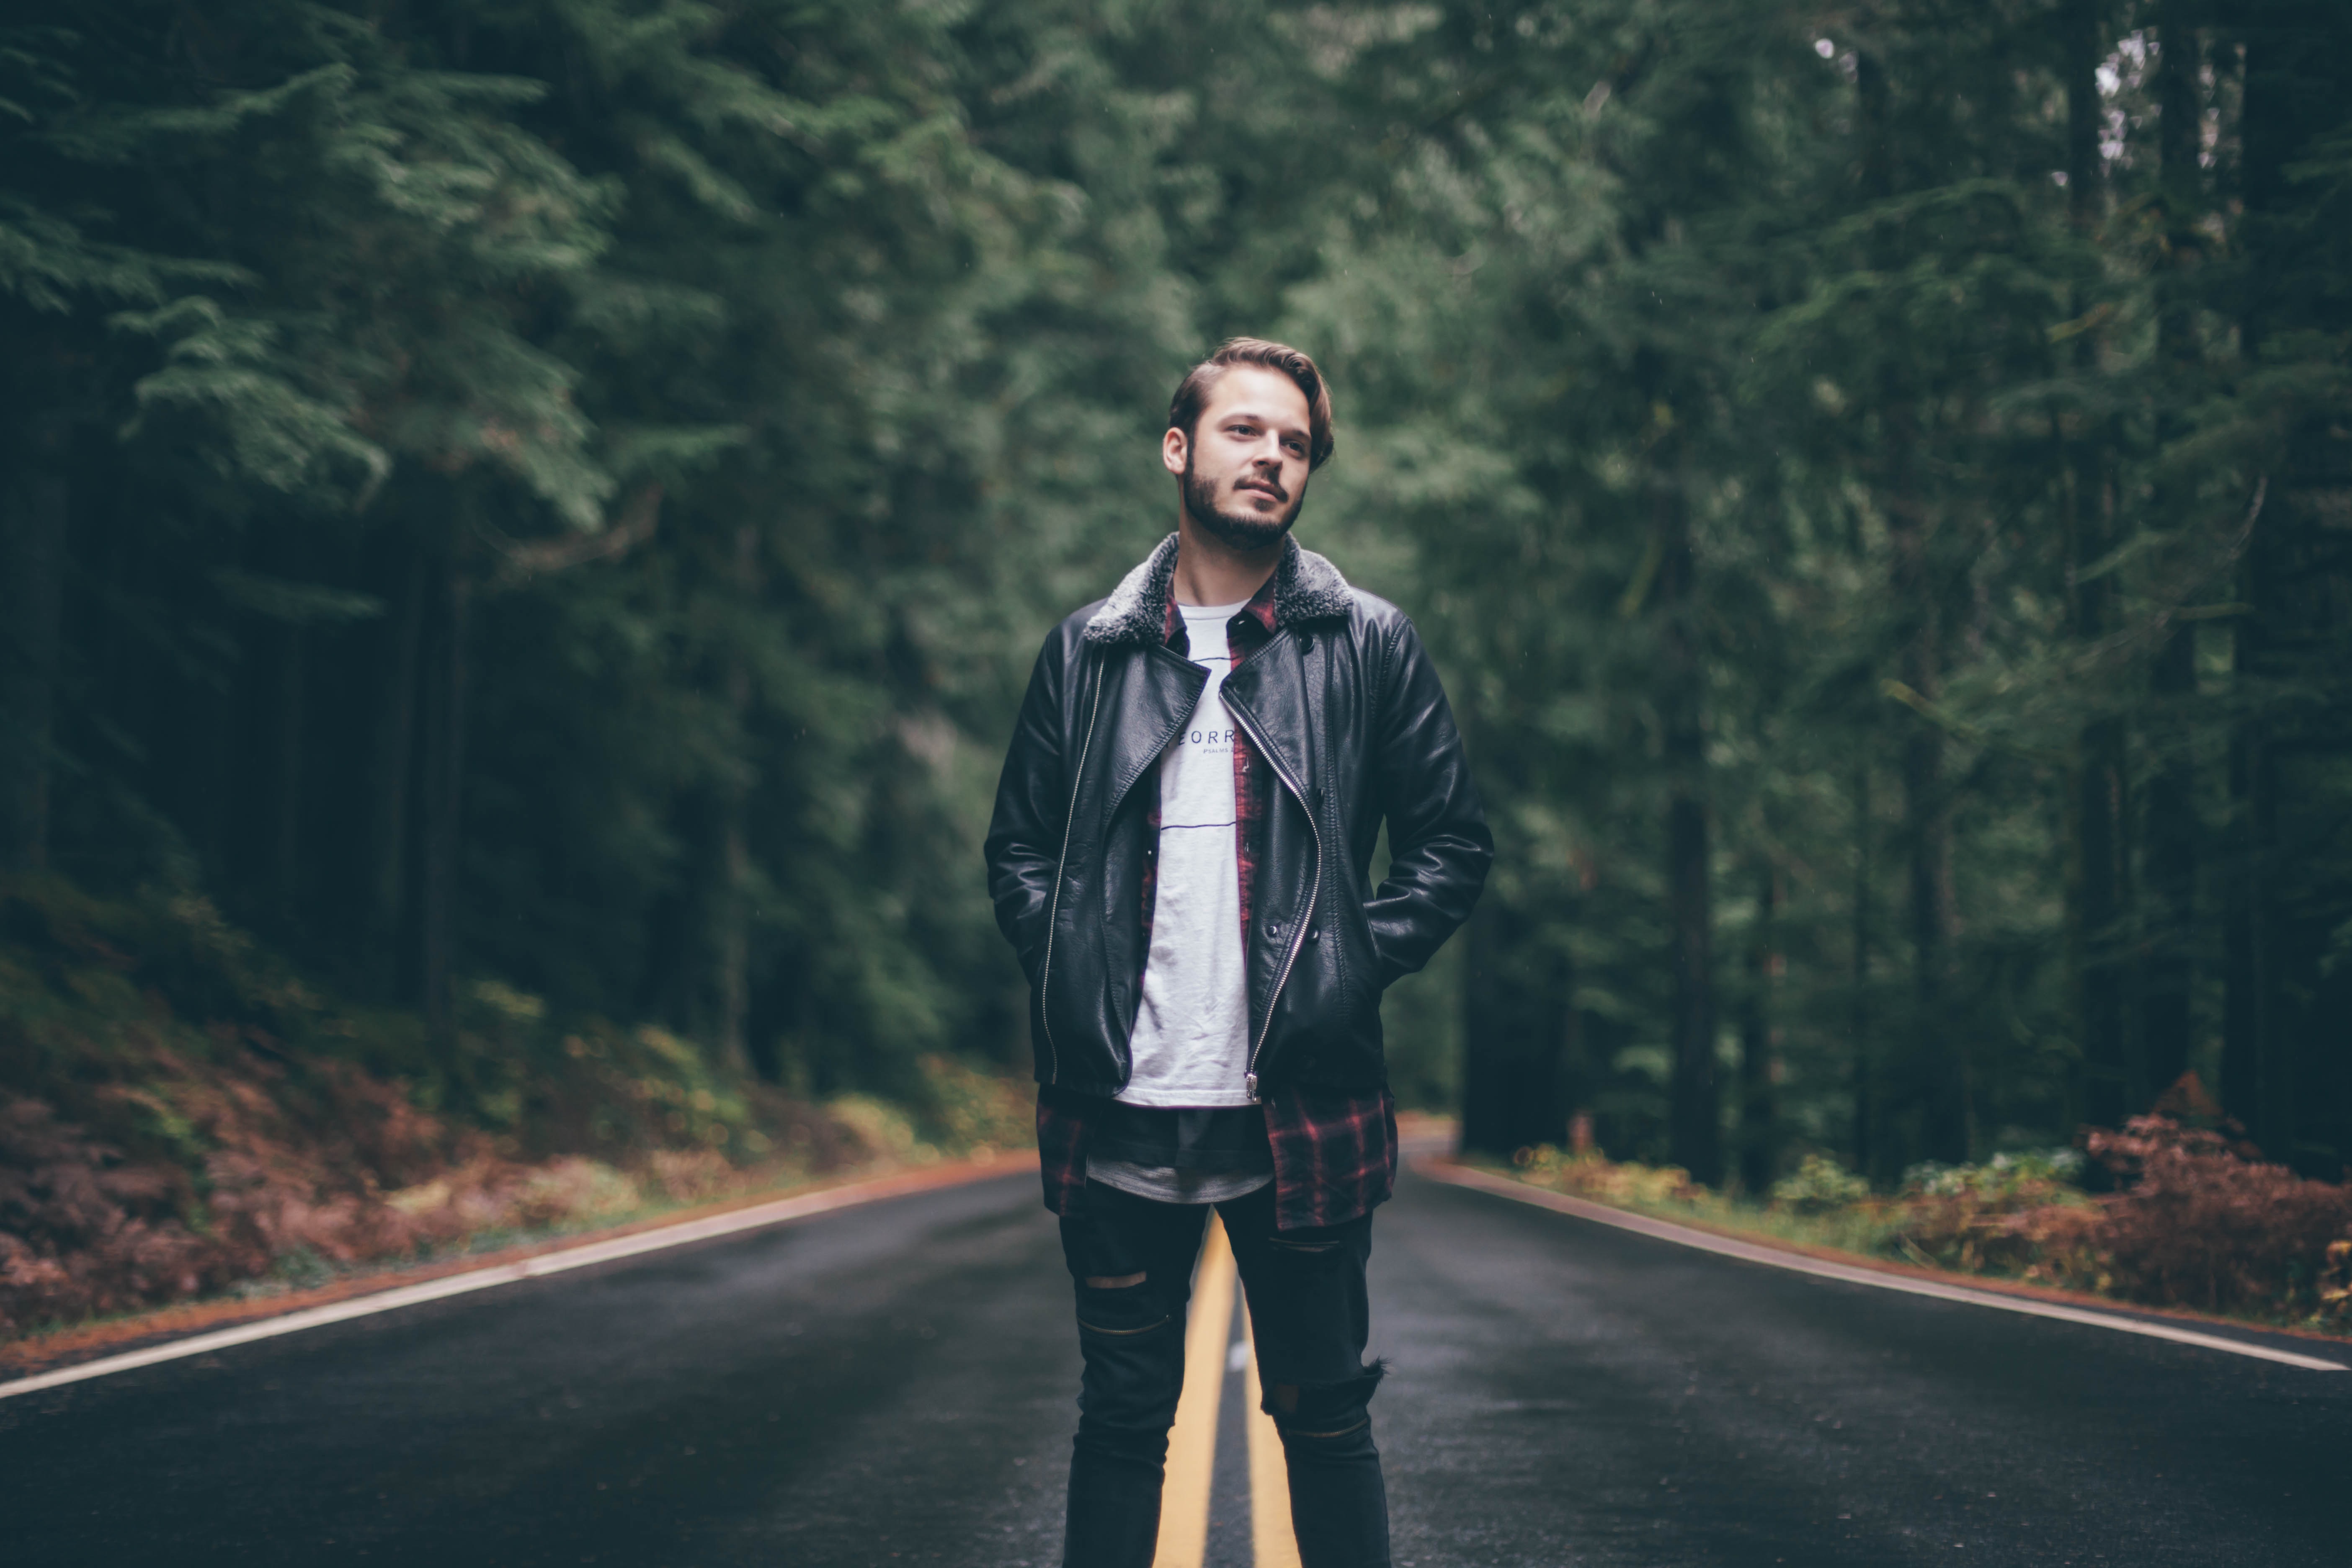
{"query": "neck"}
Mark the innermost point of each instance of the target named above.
(1210, 572)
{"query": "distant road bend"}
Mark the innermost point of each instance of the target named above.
(892, 1383)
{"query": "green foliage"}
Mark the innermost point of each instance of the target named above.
(2002, 1177)
(2194, 1222)
(559, 500)
(1819, 1183)
(1838, 308)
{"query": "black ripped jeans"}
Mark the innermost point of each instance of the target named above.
(1311, 1320)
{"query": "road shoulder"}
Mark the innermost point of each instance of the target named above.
(161, 1333)
(2303, 1348)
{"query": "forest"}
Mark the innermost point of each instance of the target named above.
(528, 518)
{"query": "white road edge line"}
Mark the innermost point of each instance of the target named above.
(1665, 1230)
(644, 1241)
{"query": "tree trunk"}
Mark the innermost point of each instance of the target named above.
(33, 519)
(2254, 1077)
(1940, 1068)
(285, 850)
(1758, 1144)
(1866, 1138)
(1513, 1036)
(730, 947)
(2099, 785)
(2169, 946)
(388, 841)
(1695, 1135)
(1486, 1104)
(2094, 858)
(2246, 1007)
(2169, 965)
(1695, 1130)
(444, 780)
(2289, 97)
(1948, 1127)
(731, 933)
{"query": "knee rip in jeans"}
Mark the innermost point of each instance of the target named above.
(1304, 1249)
(1116, 1296)
(1323, 1409)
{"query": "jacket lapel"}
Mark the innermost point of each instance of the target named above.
(1269, 694)
(1154, 690)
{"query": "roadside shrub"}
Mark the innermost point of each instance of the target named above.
(2201, 1223)
(2033, 1174)
(1593, 1176)
(971, 1111)
(2335, 1288)
(2197, 1219)
(957, 1110)
(690, 1176)
(1819, 1184)
(2016, 1213)
(81, 1231)
(885, 1130)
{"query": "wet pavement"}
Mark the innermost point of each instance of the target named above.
(893, 1383)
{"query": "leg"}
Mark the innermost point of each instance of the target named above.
(1310, 1318)
(1130, 1261)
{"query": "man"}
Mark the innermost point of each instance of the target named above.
(1181, 853)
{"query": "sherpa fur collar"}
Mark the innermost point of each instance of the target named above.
(1306, 587)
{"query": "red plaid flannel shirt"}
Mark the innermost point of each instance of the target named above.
(1335, 1151)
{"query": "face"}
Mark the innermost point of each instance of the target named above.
(1244, 471)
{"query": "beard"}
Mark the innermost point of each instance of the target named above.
(1237, 531)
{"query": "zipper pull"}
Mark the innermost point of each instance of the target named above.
(1249, 1083)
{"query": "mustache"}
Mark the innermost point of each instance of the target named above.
(1242, 530)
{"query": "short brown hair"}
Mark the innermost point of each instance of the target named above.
(1193, 391)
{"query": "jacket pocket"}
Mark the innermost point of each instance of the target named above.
(1358, 959)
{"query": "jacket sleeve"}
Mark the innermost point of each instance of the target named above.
(1033, 797)
(1439, 846)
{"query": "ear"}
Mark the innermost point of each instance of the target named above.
(1174, 447)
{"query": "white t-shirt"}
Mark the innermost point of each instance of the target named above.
(1192, 1032)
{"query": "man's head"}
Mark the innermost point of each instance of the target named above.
(1247, 427)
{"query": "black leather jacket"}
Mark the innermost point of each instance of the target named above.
(1344, 704)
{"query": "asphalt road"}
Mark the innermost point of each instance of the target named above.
(893, 1383)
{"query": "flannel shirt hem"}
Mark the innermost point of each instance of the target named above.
(1334, 1152)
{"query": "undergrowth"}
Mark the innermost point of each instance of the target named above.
(181, 1114)
(2196, 1218)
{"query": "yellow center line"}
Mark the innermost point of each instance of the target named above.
(1192, 1444)
(1272, 1541)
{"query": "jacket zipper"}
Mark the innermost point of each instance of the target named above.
(1314, 897)
(1061, 870)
